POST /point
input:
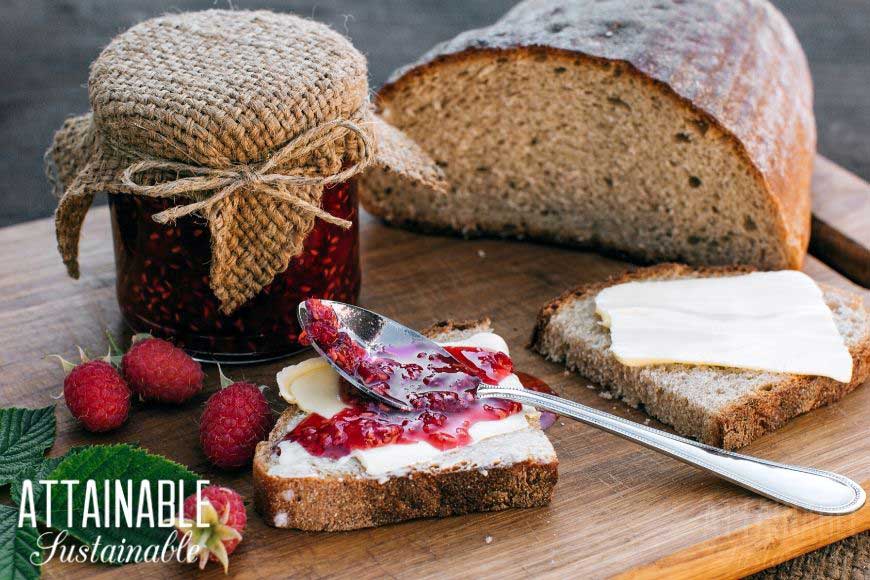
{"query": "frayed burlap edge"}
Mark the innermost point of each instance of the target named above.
(79, 165)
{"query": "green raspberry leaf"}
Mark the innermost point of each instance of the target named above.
(115, 463)
(17, 545)
(25, 434)
(36, 472)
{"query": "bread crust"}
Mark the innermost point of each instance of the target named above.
(736, 65)
(762, 412)
(637, 256)
(339, 504)
(334, 504)
(447, 327)
(756, 413)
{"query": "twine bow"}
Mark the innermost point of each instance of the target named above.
(261, 176)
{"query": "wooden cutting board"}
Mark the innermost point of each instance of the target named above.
(618, 508)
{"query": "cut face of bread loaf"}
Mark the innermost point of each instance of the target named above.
(720, 406)
(516, 469)
(658, 130)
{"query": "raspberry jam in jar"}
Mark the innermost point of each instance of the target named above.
(163, 280)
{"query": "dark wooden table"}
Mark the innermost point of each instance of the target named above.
(47, 45)
(618, 508)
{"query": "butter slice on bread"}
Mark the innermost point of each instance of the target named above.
(516, 469)
(725, 407)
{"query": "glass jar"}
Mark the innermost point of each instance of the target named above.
(163, 280)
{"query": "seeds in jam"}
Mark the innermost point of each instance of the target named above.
(441, 390)
(164, 287)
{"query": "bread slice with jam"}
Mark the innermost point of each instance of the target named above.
(725, 407)
(517, 469)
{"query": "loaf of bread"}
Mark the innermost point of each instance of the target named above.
(511, 470)
(725, 407)
(660, 130)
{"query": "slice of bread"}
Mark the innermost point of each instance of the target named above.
(720, 406)
(663, 131)
(512, 470)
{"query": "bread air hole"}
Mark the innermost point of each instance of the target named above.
(619, 102)
(749, 224)
(617, 160)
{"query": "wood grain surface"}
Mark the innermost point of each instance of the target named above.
(618, 508)
(840, 234)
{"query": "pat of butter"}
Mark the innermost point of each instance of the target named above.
(313, 386)
(389, 458)
(771, 321)
(487, 340)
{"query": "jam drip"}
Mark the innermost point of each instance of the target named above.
(533, 383)
(441, 390)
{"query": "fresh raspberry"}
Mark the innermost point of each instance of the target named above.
(222, 513)
(235, 419)
(157, 370)
(96, 395)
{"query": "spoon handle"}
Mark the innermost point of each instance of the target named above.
(804, 487)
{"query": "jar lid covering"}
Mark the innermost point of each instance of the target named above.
(247, 115)
(222, 87)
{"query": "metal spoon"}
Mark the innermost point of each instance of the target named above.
(811, 489)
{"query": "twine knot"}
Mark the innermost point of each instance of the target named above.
(250, 176)
(261, 177)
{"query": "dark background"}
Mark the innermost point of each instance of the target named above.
(47, 45)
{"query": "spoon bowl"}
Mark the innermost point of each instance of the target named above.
(374, 333)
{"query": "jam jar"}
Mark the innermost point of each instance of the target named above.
(163, 280)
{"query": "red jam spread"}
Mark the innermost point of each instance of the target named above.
(441, 391)
(163, 280)
(535, 384)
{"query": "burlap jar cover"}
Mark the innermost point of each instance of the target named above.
(243, 116)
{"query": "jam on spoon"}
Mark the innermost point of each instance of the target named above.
(441, 391)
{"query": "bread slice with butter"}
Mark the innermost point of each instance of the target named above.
(512, 469)
(721, 406)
